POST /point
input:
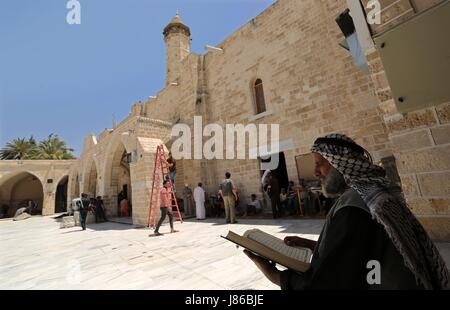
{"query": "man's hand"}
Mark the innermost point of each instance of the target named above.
(235, 194)
(268, 269)
(300, 242)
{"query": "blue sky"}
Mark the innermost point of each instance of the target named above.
(73, 79)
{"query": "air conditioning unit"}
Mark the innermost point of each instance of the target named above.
(416, 59)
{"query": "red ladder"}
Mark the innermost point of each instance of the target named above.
(160, 173)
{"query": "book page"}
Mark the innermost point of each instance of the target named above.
(268, 253)
(278, 245)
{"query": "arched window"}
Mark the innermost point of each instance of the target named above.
(259, 97)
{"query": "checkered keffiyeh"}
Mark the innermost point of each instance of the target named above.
(387, 206)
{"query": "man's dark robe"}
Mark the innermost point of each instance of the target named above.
(348, 241)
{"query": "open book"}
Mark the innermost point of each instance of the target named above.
(273, 249)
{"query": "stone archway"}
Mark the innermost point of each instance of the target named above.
(17, 190)
(61, 195)
(118, 179)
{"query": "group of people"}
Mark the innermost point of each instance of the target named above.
(288, 201)
(282, 201)
(82, 206)
(227, 194)
(196, 199)
(96, 205)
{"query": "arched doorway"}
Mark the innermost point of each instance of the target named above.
(121, 179)
(281, 170)
(61, 195)
(17, 191)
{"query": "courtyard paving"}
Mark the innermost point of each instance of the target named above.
(37, 254)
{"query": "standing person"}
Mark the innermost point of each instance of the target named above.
(370, 221)
(229, 193)
(199, 197)
(99, 210)
(84, 208)
(219, 205)
(172, 170)
(120, 197)
(274, 188)
(187, 200)
(165, 207)
(124, 208)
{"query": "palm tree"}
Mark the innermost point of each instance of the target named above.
(53, 148)
(19, 148)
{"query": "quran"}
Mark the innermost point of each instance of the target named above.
(273, 249)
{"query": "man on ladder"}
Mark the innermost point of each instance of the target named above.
(172, 164)
(164, 198)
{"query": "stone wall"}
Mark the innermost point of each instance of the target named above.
(311, 89)
(310, 84)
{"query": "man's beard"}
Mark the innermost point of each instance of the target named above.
(333, 185)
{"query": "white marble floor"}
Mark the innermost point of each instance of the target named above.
(37, 254)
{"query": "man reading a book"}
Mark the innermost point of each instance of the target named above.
(370, 222)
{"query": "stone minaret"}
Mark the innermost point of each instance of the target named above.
(177, 37)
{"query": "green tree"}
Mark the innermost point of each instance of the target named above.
(50, 148)
(53, 148)
(20, 148)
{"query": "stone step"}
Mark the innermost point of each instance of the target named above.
(67, 222)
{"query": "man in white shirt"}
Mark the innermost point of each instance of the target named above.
(199, 198)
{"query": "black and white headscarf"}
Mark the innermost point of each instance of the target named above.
(388, 207)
